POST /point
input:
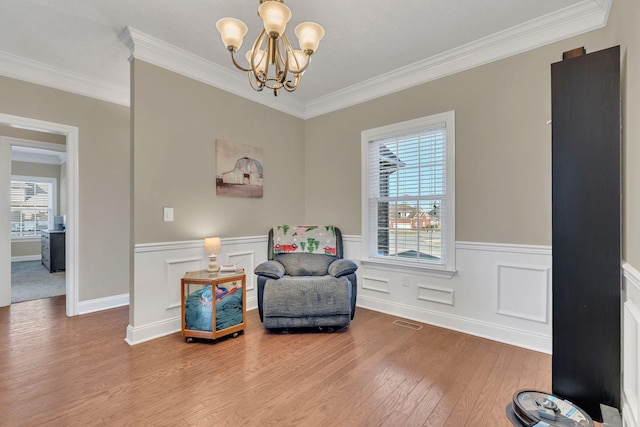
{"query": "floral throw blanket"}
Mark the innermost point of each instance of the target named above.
(312, 239)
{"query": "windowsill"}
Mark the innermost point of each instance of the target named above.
(399, 266)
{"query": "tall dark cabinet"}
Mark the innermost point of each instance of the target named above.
(53, 250)
(586, 218)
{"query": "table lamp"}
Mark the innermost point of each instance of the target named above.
(212, 247)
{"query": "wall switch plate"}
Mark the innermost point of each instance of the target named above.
(167, 214)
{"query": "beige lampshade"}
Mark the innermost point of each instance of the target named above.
(232, 32)
(261, 60)
(212, 245)
(297, 60)
(309, 35)
(275, 16)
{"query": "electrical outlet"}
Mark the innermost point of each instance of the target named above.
(405, 281)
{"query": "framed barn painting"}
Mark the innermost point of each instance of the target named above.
(239, 170)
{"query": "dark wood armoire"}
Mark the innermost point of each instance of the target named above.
(586, 229)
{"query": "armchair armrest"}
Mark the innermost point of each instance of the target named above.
(342, 267)
(271, 269)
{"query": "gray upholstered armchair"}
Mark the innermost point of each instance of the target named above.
(306, 282)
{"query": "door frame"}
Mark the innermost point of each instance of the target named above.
(71, 241)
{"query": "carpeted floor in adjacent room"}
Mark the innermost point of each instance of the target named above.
(31, 280)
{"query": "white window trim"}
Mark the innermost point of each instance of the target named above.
(396, 129)
(54, 201)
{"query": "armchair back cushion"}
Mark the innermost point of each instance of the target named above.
(305, 264)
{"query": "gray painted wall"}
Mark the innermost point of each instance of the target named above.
(503, 144)
(104, 179)
(312, 168)
(176, 123)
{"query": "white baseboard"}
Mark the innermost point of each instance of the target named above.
(99, 304)
(495, 332)
(151, 331)
(165, 327)
(26, 258)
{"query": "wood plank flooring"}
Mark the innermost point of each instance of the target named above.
(59, 371)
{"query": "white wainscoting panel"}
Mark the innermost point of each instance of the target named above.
(523, 292)
(435, 294)
(631, 347)
(478, 307)
(376, 284)
(510, 303)
(158, 268)
(175, 269)
(246, 260)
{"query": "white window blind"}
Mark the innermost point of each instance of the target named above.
(408, 192)
(32, 207)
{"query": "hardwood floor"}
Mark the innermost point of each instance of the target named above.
(79, 372)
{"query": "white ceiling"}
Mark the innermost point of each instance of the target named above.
(368, 45)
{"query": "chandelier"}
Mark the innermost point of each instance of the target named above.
(273, 62)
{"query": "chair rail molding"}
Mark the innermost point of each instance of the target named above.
(480, 299)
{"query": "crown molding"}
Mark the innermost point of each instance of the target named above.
(587, 15)
(577, 19)
(157, 52)
(20, 68)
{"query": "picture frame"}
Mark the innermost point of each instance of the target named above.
(239, 169)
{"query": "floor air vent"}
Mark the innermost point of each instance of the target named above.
(406, 324)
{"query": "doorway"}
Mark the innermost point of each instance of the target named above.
(38, 206)
(71, 238)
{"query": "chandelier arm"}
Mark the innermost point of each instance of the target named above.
(276, 61)
(288, 49)
(291, 87)
(254, 51)
(303, 69)
(255, 84)
(268, 55)
(233, 59)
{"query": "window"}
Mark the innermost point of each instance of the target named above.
(32, 206)
(409, 201)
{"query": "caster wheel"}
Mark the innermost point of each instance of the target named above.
(189, 340)
(235, 335)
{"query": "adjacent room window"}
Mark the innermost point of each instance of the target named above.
(409, 206)
(32, 206)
